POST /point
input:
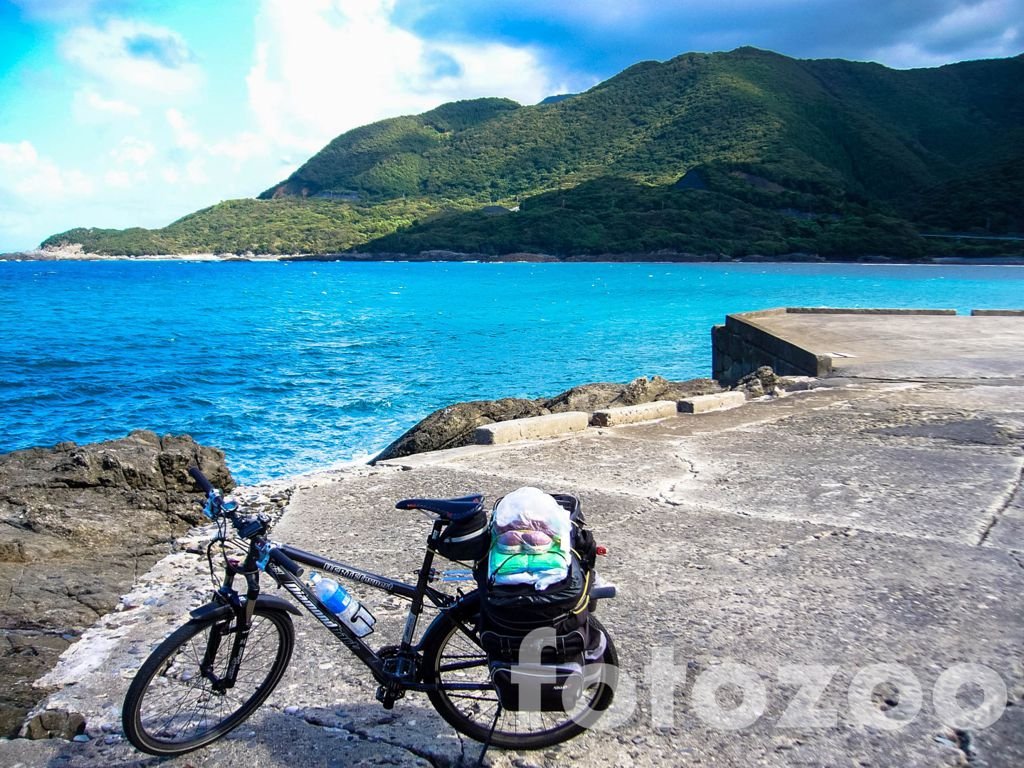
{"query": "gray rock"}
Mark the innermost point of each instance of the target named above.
(455, 425)
(77, 523)
(587, 397)
(592, 397)
(761, 382)
(56, 724)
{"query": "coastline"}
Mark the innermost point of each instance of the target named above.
(727, 524)
(77, 643)
(76, 253)
(884, 498)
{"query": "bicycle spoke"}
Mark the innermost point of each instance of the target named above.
(466, 697)
(180, 704)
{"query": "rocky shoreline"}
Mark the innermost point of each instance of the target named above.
(83, 523)
(454, 425)
(77, 253)
(79, 525)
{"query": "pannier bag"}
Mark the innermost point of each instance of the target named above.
(536, 576)
(520, 608)
(552, 687)
(583, 543)
(467, 540)
(557, 682)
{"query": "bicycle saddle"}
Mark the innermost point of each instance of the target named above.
(453, 509)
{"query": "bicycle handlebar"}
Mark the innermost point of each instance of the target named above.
(286, 562)
(201, 480)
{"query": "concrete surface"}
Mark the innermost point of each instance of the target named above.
(863, 522)
(883, 344)
(634, 414)
(717, 402)
(532, 428)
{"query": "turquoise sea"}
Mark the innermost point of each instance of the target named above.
(295, 366)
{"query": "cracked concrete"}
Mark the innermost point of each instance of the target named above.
(836, 528)
(1004, 504)
(844, 527)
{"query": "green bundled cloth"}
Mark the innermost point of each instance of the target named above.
(504, 563)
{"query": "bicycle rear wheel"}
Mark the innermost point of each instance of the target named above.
(172, 707)
(456, 657)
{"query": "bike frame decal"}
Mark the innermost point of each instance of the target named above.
(375, 580)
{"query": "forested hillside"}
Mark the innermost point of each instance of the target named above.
(735, 153)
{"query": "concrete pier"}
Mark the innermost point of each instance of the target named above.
(874, 523)
(925, 343)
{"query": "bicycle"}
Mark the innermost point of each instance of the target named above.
(213, 672)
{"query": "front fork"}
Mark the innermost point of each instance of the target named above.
(242, 618)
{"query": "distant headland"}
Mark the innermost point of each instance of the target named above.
(745, 154)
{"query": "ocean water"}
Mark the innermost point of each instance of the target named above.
(296, 366)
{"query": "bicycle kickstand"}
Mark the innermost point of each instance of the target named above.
(490, 735)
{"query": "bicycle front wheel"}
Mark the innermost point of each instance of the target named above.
(464, 696)
(174, 706)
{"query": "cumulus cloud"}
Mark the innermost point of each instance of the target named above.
(184, 135)
(247, 145)
(121, 179)
(133, 151)
(981, 29)
(195, 171)
(620, 32)
(325, 66)
(30, 177)
(88, 106)
(134, 55)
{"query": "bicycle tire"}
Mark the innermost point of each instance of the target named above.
(167, 684)
(474, 715)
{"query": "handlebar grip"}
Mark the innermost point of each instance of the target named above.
(201, 480)
(286, 562)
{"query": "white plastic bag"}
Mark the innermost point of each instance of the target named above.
(531, 510)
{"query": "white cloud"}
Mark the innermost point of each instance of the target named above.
(129, 159)
(133, 151)
(325, 66)
(184, 136)
(245, 146)
(88, 106)
(134, 55)
(195, 171)
(986, 29)
(121, 179)
(27, 175)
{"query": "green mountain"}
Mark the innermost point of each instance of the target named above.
(735, 153)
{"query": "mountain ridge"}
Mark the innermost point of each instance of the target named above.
(860, 156)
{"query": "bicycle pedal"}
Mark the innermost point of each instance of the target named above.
(388, 698)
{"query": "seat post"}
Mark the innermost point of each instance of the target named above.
(421, 585)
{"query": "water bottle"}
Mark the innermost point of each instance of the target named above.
(346, 608)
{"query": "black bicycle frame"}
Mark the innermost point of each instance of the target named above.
(414, 592)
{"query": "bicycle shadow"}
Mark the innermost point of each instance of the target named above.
(411, 734)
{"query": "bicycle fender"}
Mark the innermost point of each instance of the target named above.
(274, 603)
(210, 610)
(466, 607)
(219, 610)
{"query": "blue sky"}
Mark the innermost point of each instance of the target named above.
(118, 113)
